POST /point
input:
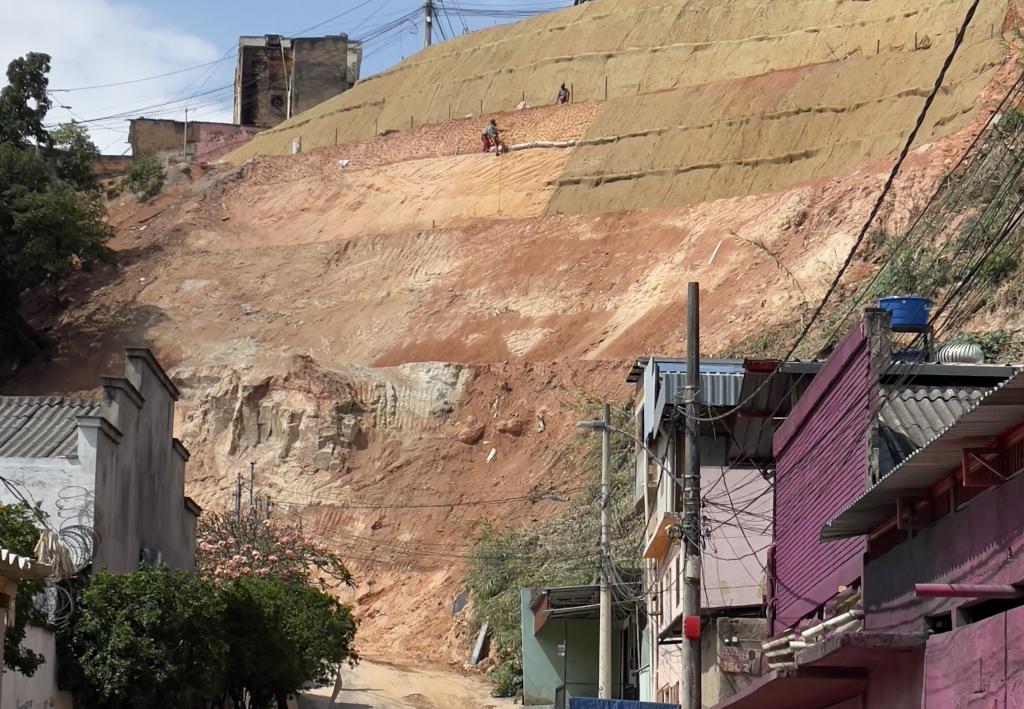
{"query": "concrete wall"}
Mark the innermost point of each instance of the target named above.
(980, 544)
(716, 686)
(320, 70)
(140, 483)
(106, 166)
(979, 665)
(544, 670)
(821, 454)
(39, 690)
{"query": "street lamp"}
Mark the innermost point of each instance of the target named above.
(599, 426)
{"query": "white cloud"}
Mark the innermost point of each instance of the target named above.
(96, 42)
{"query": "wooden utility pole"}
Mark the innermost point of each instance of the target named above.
(184, 140)
(428, 22)
(691, 676)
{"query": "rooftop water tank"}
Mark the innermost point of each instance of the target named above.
(907, 311)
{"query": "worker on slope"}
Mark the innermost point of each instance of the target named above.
(563, 94)
(490, 138)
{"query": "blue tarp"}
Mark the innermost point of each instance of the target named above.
(588, 703)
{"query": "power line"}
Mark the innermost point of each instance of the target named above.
(879, 201)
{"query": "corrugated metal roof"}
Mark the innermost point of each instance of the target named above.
(716, 388)
(990, 416)
(910, 416)
(42, 427)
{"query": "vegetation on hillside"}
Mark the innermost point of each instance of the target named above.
(963, 250)
(52, 219)
(560, 550)
(144, 176)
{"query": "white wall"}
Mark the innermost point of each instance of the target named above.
(55, 483)
(40, 690)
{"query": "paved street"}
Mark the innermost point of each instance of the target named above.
(378, 686)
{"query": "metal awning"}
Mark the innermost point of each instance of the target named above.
(991, 416)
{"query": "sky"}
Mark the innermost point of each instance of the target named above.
(192, 43)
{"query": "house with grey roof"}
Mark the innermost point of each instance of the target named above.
(109, 475)
(108, 471)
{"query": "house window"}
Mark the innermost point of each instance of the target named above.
(986, 609)
(676, 579)
(150, 557)
(935, 624)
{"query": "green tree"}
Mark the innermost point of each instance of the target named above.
(144, 176)
(18, 532)
(75, 153)
(25, 100)
(152, 638)
(48, 226)
(281, 635)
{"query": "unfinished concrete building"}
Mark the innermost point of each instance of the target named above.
(277, 77)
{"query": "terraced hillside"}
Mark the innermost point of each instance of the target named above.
(368, 321)
(700, 100)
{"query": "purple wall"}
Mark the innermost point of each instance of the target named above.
(981, 543)
(821, 456)
(979, 665)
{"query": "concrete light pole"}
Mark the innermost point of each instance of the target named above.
(604, 652)
(691, 698)
(604, 663)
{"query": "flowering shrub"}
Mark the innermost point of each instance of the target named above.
(229, 547)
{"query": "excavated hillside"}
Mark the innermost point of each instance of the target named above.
(396, 329)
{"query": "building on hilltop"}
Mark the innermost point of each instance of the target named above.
(277, 77)
(110, 477)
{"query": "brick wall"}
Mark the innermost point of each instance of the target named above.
(821, 454)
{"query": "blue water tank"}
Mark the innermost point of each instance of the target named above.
(909, 311)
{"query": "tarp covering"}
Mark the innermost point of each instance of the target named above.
(589, 703)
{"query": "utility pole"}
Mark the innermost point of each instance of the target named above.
(252, 476)
(184, 139)
(690, 694)
(604, 660)
(428, 22)
(238, 496)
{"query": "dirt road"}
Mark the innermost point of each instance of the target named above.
(378, 686)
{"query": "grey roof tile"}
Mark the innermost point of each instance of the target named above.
(41, 426)
(911, 416)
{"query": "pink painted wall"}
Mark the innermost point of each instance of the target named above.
(981, 543)
(213, 140)
(978, 665)
(898, 682)
(733, 562)
(821, 454)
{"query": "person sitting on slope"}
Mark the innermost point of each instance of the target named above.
(563, 94)
(490, 138)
